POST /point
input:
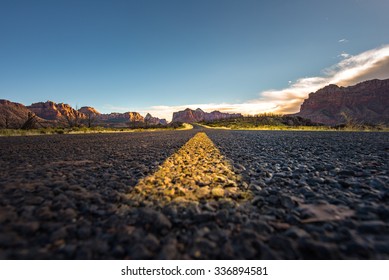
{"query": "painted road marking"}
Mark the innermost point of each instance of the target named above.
(197, 171)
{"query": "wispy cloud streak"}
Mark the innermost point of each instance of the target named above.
(344, 55)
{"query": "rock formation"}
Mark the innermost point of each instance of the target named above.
(60, 114)
(15, 115)
(217, 115)
(191, 116)
(86, 110)
(50, 110)
(12, 115)
(65, 114)
(150, 120)
(365, 103)
(121, 117)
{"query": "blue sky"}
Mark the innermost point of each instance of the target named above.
(160, 56)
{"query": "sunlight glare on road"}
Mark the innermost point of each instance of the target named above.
(197, 171)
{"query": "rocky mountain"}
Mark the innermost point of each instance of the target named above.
(50, 110)
(64, 113)
(188, 116)
(12, 115)
(366, 102)
(191, 116)
(132, 119)
(88, 111)
(150, 120)
(127, 117)
(121, 117)
(217, 115)
(15, 115)
(49, 113)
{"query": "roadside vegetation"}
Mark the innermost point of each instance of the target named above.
(270, 121)
(86, 129)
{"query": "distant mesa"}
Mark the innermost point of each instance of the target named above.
(86, 110)
(363, 103)
(198, 115)
(120, 117)
(113, 118)
(366, 103)
(150, 120)
(124, 119)
(49, 113)
(50, 110)
(13, 110)
(12, 114)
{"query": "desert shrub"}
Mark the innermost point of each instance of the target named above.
(176, 125)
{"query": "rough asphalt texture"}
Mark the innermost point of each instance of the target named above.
(196, 172)
(316, 195)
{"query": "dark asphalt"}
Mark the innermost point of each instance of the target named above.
(317, 195)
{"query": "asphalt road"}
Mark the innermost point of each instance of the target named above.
(313, 195)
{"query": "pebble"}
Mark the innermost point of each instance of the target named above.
(154, 220)
(373, 227)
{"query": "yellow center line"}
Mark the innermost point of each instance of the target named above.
(196, 171)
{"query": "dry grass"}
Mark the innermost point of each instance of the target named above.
(277, 122)
(85, 130)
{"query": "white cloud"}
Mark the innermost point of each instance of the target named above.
(344, 55)
(343, 40)
(371, 64)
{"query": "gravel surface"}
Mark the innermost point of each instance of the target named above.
(315, 195)
(320, 194)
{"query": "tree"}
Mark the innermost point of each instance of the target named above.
(90, 119)
(87, 118)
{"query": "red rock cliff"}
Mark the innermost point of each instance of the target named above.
(366, 102)
(192, 116)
